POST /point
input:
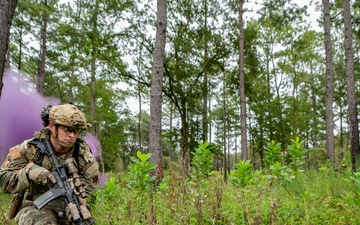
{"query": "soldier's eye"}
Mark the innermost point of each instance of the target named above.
(71, 130)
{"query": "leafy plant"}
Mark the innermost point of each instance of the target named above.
(272, 153)
(202, 161)
(297, 154)
(354, 199)
(139, 172)
(280, 173)
(243, 174)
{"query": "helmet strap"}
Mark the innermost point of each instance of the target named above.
(57, 139)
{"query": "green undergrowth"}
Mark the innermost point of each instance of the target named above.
(281, 193)
(5, 200)
(323, 197)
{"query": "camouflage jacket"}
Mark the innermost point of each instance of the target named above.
(14, 179)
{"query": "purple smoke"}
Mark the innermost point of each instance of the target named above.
(20, 109)
(94, 144)
(95, 147)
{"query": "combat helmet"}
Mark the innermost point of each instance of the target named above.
(66, 115)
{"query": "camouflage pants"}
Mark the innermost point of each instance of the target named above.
(30, 215)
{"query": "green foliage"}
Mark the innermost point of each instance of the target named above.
(354, 199)
(202, 161)
(297, 154)
(4, 208)
(346, 160)
(279, 173)
(324, 197)
(109, 194)
(273, 153)
(139, 173)
(243, 174)
(314, 197)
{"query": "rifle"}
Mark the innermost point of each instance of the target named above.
(79, 212)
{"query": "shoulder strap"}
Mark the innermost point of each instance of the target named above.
(76, 151)
(39, 145)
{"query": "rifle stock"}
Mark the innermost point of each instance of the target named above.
(16, 202)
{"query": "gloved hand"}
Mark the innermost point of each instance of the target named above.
(39, 174)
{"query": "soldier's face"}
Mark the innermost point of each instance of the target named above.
(65, 135)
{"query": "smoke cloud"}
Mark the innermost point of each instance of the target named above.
(94, 144)
(20, 108)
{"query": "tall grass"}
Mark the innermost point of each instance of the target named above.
(5, 200)
(279, 194)
(276, 195)
(323, 197)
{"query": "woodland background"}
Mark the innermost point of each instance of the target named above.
(243, 84)
(86, 52)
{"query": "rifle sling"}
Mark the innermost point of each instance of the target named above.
(38, 143)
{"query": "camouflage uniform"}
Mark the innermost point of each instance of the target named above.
(14, 178)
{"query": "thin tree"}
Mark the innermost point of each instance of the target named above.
(155, 134)
(351, 95)
(41, 68)
(205, 121)
(140, 101)
(329, 84)
(244, 155)
(224, 131)
(7, 9)
(155, 146)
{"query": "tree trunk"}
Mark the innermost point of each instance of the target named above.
(155, 146)
(139, 117)
(7, 9)
(8, 57)
(139, 101)
(94, 53)
(171, 134)
(184, 145)
(329, 85)
(224, 132)
(244, 154)
(205, 122)
(351, 95)
(41, 69)
(21, 43)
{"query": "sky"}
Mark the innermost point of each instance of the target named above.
(254, 5)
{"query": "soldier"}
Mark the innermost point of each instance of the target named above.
(26, 169)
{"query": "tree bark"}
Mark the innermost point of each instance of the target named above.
(244, 154)
(7, 9)
(224, 132)
(155, 145)
(329, 84)
(205, 122)
(351, 95)
(41, 70)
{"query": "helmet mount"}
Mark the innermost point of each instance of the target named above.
(45, 115)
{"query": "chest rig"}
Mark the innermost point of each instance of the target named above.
(69, 164)
(40, 157)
